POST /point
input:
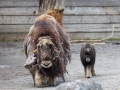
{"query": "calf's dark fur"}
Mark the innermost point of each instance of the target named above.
(87, 56)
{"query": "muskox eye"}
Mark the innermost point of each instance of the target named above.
(50, 45)
(38, 46)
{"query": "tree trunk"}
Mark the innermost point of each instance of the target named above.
(54, 8)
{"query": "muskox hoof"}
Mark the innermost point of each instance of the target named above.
(39, 86)
(51, 82)
(88, 76)
(42, 84)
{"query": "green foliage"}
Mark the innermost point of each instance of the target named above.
(113, 39)
(87, 39)
(22, 51)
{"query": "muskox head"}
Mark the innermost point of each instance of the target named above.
(88, 49)
(46, 52)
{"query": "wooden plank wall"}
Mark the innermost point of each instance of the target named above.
(82, 18)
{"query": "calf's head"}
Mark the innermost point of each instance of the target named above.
(88, 49)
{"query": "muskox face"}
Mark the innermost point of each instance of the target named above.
(88, 49)
(45, 52)
(45, 56)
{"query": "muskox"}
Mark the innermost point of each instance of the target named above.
(47, 50)
(87, 55)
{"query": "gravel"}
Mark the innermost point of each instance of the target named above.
(14, 76)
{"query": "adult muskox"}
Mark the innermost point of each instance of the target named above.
(87, 55)
(47, 50)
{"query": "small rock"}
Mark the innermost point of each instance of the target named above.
(79, 85)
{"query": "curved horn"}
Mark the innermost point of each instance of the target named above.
(34, 51)
(56, 50)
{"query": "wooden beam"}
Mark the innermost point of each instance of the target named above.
(110, 19)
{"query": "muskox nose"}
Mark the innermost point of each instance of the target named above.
(87, 59)
(46, 64)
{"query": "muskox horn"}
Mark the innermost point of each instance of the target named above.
(34, 51)
(54, 48)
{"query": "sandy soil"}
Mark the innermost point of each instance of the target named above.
(14, 76)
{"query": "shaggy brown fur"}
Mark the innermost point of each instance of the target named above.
(57, 49)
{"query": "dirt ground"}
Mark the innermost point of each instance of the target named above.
(14, 76)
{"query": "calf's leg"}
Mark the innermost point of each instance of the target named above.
(85, 72)
(88, 72)
(93, 70)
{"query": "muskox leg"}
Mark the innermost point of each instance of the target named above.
(51, 82)
(33, 74)
(85, 72)
(88, 71)
(93, 71)
(38, 78)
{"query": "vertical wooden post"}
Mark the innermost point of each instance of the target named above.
(54, 8)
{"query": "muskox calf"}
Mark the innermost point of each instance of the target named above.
(87, 55)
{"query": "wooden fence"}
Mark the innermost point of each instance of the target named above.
(82, 18)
